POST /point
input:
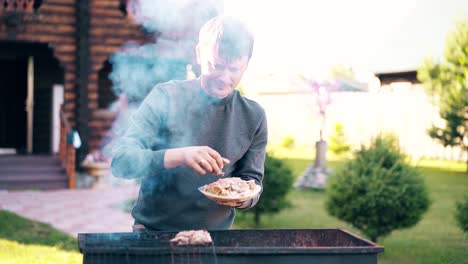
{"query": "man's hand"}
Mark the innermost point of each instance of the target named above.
(201, 159)
(235, 204)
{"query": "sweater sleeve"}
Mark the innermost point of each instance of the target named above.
(136, 154)
(251, 165)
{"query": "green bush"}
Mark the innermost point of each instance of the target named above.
(337, 142)
(288, 142)
(461, 214)
(378, 192)
(277, 183)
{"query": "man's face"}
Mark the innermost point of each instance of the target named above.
(220, 77)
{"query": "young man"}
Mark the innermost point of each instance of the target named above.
(186, 133)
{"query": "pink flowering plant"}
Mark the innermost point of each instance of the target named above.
(322, 92)
(96, 156)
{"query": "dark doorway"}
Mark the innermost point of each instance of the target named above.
(14, 127)
(13, 92)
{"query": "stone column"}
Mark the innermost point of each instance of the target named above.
(315, 176)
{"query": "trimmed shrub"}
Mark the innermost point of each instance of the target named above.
(378, 192)
(277, 183)
(337, 141)
(461, 214)
(288, 142)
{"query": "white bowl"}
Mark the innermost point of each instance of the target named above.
(238, 198)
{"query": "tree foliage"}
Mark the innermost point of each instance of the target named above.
(461, 214)
(288, 142)
(342, 72)
(277, 183)
(337, 141)
(378, 192)
(447, 81)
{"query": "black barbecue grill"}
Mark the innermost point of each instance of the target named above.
(296, 246)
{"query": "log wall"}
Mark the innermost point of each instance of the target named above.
(109, 29)
(55, 24)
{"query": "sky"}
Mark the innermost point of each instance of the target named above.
(299, 36)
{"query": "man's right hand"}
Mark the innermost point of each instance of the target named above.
(201, 159)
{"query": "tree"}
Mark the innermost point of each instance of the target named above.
(447, 81)
(378, 192)
(342, 72)
(338, 144)
(461, 214)
(288, 142)
(276, 185)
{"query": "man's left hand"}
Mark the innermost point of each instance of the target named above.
(235, 203)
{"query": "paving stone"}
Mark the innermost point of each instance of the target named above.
(74, 211)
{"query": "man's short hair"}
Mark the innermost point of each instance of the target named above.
(228, 36)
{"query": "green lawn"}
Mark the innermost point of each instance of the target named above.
(25, 241)
(435, 240)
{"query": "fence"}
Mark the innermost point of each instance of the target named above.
(407, 112)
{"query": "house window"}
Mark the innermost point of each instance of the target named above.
(19, 6)
(106, 95)
(123, 6)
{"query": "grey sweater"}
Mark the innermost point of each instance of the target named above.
(180, 114)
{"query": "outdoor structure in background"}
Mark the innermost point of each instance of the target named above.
(316, 175)
(398, 105)
(56, 53)
(406, 82)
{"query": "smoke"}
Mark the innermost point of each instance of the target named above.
(136, 69)
(174, 16)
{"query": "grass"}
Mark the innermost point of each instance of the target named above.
(436, 239)
(26, 241)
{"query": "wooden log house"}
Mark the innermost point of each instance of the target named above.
(53, 78)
